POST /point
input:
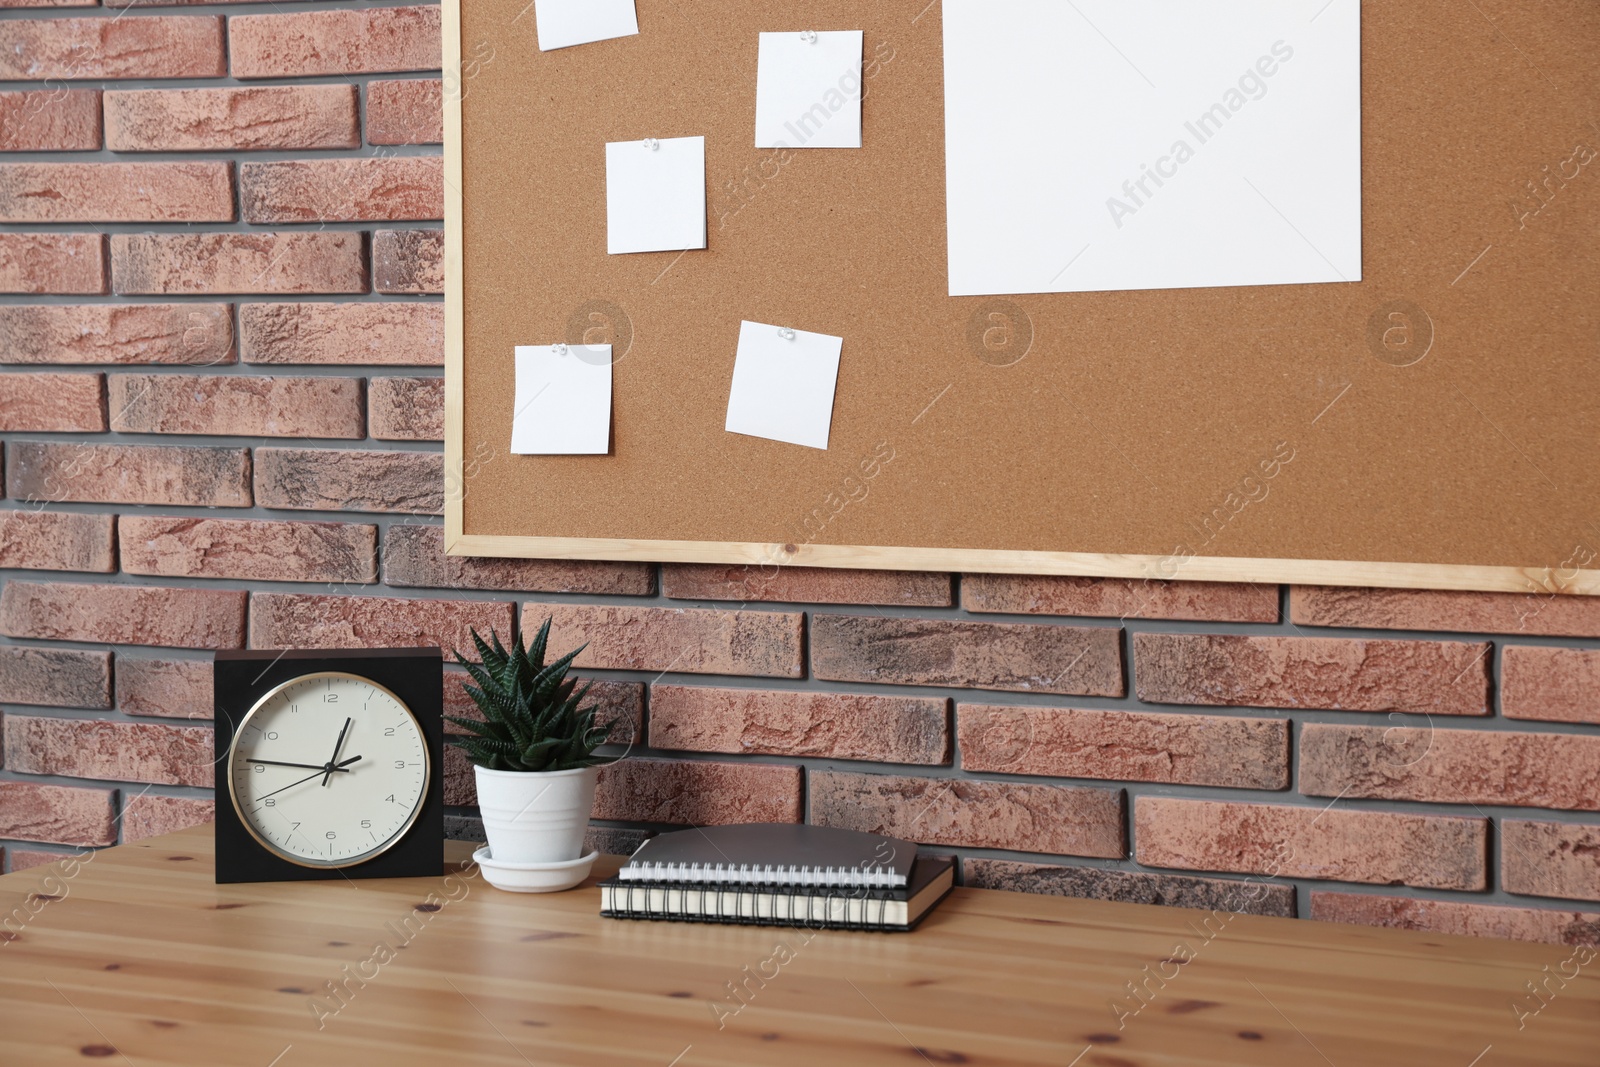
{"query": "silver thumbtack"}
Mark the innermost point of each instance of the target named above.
(559, 349)
(808, 36)
(652, 144)
(786, 333)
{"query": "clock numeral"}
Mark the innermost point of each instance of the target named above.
(330, 698)
(366, 824)
(258, 768)
(389, 732)
(330, 835)
(390, 798)
(293, 827)
(270, 802)
(272, 735)
(399, 764)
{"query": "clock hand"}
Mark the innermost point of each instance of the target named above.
(291, 785)
(340, 766)
(276, 763)
(337, 745)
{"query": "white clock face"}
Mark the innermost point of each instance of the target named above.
(329, 770)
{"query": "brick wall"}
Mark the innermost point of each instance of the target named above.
(221, 411)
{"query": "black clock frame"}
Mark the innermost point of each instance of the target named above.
(415, 675)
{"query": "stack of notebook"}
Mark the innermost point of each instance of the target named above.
(774, 874)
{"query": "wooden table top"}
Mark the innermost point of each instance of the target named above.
(140, 959)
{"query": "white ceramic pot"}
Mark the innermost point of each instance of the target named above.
(536, 817)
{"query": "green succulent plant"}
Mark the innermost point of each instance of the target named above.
(534, 719)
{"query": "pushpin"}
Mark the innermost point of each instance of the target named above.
(652, 144)
(786, 333)
(808, 36)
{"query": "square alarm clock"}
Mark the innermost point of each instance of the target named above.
(333, 764)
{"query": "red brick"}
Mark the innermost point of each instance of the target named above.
(413, 556)
(1550, 859)
(148, 815)
(123, 614)
(110, 751)
(1423, 609)
(619, 704)
(116, 192)
(56, 541)
(405, 111)
(56, 677)
(170, 688)
(299, 262)
(128, 474)
(52, 403)
(1458, 917)
(47, 3)
(300, 620)
(885, 729)
(1423, 677)
(406, 409)
(1123, 598)
(1550, 684)
(323, 479)
(237, 406)
(59, 814)
(1134, 746)
(698, 793)
(343, 190)
(1132, 887)
(804, 585)
(758, 643)
(370, 41)
(1451, 766)
(408, 261)
(116, 333)
(257, 549)
(1065, 820)
(71, 263)
(976, 655)
(172, 46)
(375, 334)
(1383, 848)
(230, 120)
(50, 120)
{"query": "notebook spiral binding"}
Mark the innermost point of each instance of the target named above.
(828, 908)
(791, 877)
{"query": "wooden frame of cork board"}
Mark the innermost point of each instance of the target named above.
(1432, 426)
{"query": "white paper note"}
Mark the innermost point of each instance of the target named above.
(1102, 144)
(808, 90)
(563, 23)
(783, 383)
(563, 401)
(656, 195)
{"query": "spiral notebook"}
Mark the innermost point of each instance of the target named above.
(779, 875)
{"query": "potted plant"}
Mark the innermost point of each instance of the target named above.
(533, 754)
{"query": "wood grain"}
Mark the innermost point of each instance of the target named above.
(142, 954)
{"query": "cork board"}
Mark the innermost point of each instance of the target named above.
(1434, 425)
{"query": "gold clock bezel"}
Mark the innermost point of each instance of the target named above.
(298, 861)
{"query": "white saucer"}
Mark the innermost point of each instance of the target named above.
(533, 877)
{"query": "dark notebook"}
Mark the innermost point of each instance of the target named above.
(785, 854)
(843, 907)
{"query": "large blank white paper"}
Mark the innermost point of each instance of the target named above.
(808, 90)
(656, 195)
(563, 23)
(783, 382)
(1108, 144)
(563, 401)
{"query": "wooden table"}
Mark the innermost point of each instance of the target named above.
(142, 960)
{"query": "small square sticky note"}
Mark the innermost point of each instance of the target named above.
(783, 382)
(808, 90)
(563, 23)
(563, 400)
(656, 195)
